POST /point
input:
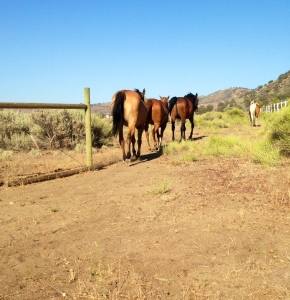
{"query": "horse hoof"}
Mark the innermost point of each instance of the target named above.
(133, 158)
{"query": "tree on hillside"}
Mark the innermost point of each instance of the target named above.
(205, 109)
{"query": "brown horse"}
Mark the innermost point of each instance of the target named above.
(183, 108)
(128, 108)
(157, 116)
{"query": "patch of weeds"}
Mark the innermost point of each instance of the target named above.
(265, 153)
(190, 157)
(81, 148)
(35, 153)
(54, 209)
(161, 187)
(6, 154)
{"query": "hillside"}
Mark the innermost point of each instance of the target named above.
(101, 108)
(225, 95)
(273, 91)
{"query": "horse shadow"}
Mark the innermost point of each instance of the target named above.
(198, 138)
(146, 157)
(156, 154)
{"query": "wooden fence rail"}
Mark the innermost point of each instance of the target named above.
(86, 107)
(274, 107)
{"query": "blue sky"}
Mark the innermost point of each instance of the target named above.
(51, 50)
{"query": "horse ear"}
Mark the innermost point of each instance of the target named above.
(144, 91)
(168, 97)
(196, 94)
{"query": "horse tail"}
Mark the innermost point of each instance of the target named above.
(172, 102)
(118, 111)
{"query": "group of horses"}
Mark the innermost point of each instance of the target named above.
(132, 109)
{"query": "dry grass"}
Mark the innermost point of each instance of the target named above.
(210, 229)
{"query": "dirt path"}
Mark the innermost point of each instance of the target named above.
(221, 231)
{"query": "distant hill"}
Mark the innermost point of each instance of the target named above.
(101, 108)
(273, 91)
(223, 95)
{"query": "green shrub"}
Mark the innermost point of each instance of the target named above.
(279, 127)
(50, 129)
(5, 155)
(14, 130)
(217, 120)
(229, 146)
(265, 153)
(101, 131)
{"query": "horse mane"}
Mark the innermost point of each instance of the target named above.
(189, 95)
(193, 99)
(140, 94)
(172, 102)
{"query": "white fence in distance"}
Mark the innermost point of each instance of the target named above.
(274, 107)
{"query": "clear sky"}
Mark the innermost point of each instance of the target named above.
(51, 50)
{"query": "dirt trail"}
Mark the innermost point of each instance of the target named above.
(220, 232)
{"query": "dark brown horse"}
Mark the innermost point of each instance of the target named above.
(158, 117)
(183, 108)
(128, 109)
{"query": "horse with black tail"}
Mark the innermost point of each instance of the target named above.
(128, 109)
(183, 108)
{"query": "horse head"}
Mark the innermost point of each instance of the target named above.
(194, 99)
(142, 95)
(164, 101)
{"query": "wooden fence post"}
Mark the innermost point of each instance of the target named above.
(88, 127)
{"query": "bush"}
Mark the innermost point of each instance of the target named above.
(59, 128)
(279, 125)
(101, 131)
(14, 130)
(50, 129)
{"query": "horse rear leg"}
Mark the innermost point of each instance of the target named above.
(122, 142)
(147, 136)
(192, 127)
(160, 136)
(154, 132)
(131, 139)
(182, 130)
(173, 128)
(139, 142)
